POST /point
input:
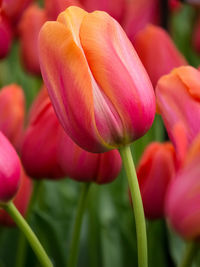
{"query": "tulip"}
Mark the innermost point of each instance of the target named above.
(33, 18)
(5, 35)
(12, 111)
(155, 171)
(157, 52)
(196, 36)
(39, 147)
(138, 14)
(115, 8)
(54, 7)
(10, 170)
(14, 8)
(21, 200)
(97, 84)
(183, 201)
(84, 166)
(178, 99)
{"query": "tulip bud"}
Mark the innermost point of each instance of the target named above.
(21, 200)
(183, 201)
(155, 171)
(178, 99)
(84, 166)
(54, 7)
(5, 35)
(157, 52)
(12, 111)
(39, 146)
(101, 73)
(14, 8)
(138, 14)
(10, 170)
(33, 18)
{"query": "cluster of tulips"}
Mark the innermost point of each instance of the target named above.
(106, 68)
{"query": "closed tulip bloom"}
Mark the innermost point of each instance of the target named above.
(54, 7)
(183, 201)
(157, 52)
(21, 200)
(33, 18)
(96, 82)
(12, 112)
(155, 171)
(138, 14)
(39, 146)
(84, 166)
(178, 99)
(5, 35)
(10, 170)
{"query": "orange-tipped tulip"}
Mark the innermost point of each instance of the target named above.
(155, 171)
(84, 166)
(30, 24)
(21, 200)
(157, 52)
(178, 99)
(12, 112)
(97, 84)
(39, 146)
(5, 35)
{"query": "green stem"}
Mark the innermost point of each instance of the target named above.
(22, 244)
(137, 205)
(190, 252)
(25, 228)
(73, 251)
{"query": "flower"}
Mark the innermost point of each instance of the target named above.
(10, 171)
(157, 52)
(155, 171)
(12, 111)
(33, 18)
(97, 84)
(39, 147)
(178, 99)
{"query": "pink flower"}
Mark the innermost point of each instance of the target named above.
(155, 171)
(5, 35)
(96, 82)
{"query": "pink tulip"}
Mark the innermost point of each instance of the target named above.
(138, 14)
(178, 99)
(5, 35)
(84, 166)
(157, 52)
(21, 200)
(12, 111)
(39, 147)
(33, 18)
(10, 170)
(155, 171)
(96, 82)
(183, 201)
